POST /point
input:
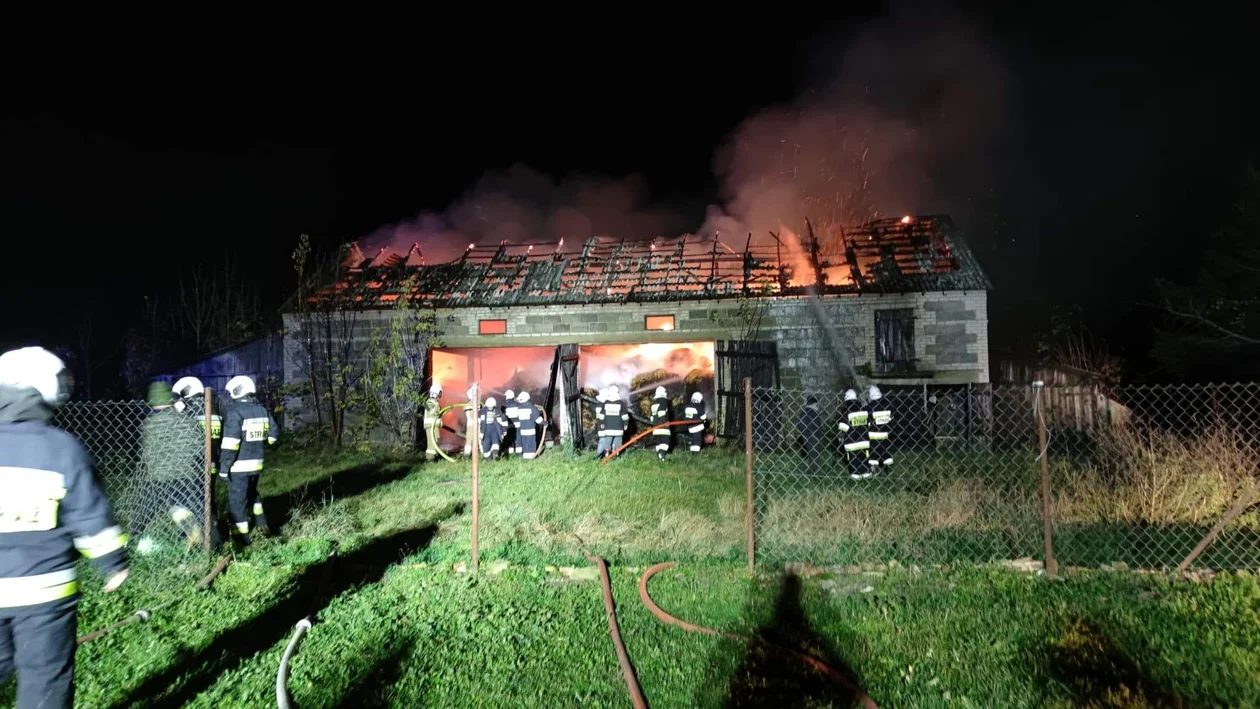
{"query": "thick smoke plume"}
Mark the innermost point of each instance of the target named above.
(904, 121)
(521, 205)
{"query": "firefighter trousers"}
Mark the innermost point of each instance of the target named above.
(40, 648)
(244, 505)
(661, 439)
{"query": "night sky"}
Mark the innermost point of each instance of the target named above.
(1122, 135)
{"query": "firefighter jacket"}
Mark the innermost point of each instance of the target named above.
(880, 419)
(197, 407)
(695, 412)
(530, 418)
(512, 410)
(50, 506)
(599, 417)
(659, 415)
(247, 431)
(172, 446)
(616, 416)
(490, 427)
(853, 422)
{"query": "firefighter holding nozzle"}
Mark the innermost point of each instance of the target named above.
(52, 509)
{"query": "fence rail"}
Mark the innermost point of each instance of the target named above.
(1138, 475)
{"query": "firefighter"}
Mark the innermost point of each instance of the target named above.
(491, 434)
(616, 416)
(432, 407)
(190, 396)
(853, 435)
(172, 456)
(695, 412)
(469, 415)
(50, 506)
(530, 428)
(810, 428)
(602, 448)
(880, 421)
(660, 415)
(247, 431)
(511, 434)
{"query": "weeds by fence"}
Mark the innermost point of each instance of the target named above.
(153, 470)
(1138, 475)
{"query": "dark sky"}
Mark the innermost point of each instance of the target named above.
(1121, 134)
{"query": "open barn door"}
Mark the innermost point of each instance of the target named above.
(735, 361)
(570, 392)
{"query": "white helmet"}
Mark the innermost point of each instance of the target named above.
(614, 392)
(240, 386)
(490, 402)
(188, 387)
(660, 392)
(602, 395)
(435, 391)
(509, 395)
(472, 391)
(850, 395)
(874, 393)
(522, 397)
(697, 397)
(36, 368)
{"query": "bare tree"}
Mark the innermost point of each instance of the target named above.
(217, 307)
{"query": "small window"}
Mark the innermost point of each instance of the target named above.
(660, 322)
(493, 327)
(894, 341)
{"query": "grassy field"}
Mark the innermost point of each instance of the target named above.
(399, 624)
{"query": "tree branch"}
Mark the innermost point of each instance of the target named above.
(1211, 324)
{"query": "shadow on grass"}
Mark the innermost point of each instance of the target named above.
(195, 671)
(1098, 674)
(373, 690)
(342, 484)
(769, 677)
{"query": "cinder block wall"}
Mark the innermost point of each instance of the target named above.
(951, 331)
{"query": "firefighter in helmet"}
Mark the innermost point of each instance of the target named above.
(490, 431)
(616, 417)
(511, 433)
(601, 449)
(248, 430)
(432, 407)
(695, 412)
(853, 421)
(52, 509)
(660, 417)
(172, 456)
(879, 430)
(530, 427)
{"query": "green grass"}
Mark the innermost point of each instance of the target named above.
(399, 625)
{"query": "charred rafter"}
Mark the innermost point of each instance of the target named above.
(883, 256)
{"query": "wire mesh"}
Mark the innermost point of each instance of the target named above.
(151, 464)
(1138, 475)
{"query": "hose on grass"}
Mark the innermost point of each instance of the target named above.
(283, 701)
(623, 658)
(641, 434)
(862, 697)
(143, 615)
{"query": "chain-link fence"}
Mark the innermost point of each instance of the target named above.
(152, 465)
(1138, 475)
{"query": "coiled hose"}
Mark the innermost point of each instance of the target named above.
(283, 701)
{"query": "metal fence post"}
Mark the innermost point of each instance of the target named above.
(209, 516)
(748, 471)
(1052, 566)
(476, 476)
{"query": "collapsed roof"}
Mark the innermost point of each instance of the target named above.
(922, 254)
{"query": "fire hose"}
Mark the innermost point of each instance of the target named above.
(623, 658)
(641, 434)
(862, 697)
(303, 625)
(143, 615)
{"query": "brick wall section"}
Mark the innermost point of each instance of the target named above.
(950, 331)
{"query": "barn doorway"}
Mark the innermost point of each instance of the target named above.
(497, 370)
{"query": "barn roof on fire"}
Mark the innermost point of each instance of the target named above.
(922, 254)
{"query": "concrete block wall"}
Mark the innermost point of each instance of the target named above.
(950, 331)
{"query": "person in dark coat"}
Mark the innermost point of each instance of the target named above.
(660, 415)
(809, 427)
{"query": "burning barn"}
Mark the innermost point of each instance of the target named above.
(899, 301)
